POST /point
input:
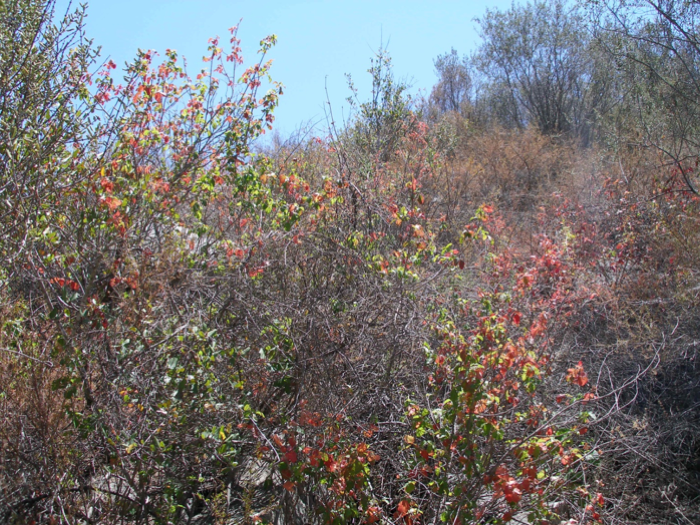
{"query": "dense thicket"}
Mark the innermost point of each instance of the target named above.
(477, 309)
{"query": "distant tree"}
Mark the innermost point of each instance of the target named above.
(454, 85)
(540, 68)
(378, 124)
(655, 46)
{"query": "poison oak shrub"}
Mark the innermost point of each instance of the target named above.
(116, 288)
(196, 331)
(488, 443)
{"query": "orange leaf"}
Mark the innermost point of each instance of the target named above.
(372, 515)
(112, 202)
(402, 509)
(577, 375)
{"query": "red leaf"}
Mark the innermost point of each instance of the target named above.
(402, 509)
(107, 185)
(514, 497)
(577, 375)
(314, 457)
(112, 202)
(331, 465)
(372, 457)
(373, 514)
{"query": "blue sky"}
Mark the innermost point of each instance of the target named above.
(318, 41)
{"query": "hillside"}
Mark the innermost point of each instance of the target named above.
(475, 307)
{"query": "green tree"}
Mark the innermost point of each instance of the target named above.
(655, 47)
(453, 90)
(540, 69)
(379, 123)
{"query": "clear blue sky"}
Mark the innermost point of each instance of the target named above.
(318, 41)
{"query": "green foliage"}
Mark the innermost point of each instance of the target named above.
(655, 49)
(44, 111)
(377, 126)
(540, 68)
